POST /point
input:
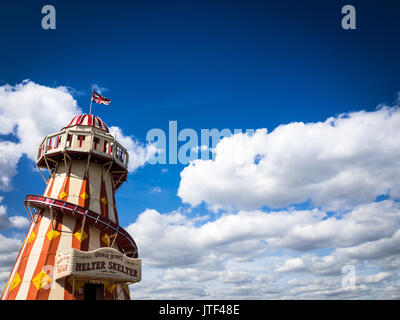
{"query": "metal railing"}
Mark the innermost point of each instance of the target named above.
(83, 141)
(124, 239)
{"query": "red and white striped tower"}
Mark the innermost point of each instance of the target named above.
(77, 210)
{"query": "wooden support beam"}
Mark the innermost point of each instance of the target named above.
(122, 175)
(47, 164)
(115, 237)
(109, 167)
(40, 171)
(87, 164)
(29, 215)
(52, 160)
(83, 225)
(65, 161)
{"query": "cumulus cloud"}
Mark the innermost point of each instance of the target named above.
(336, 164)
(336, 169)
(10, 154)
(332, 264)
(28, 112)
(11, 222)
(375, 278)
(181, 241)
(187, 250)
(139, 153)
(9, 248)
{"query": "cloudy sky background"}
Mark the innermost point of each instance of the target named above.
(276, 215)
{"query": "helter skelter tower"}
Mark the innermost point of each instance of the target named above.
(75, 248)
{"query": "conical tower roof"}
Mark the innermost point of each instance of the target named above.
(88, 120)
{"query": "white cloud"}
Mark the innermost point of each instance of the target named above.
(10, 222)
(332, 264)
(189, 274)
(180, 241)
(99, 89)
(232, 250)
(19, 222)
(375, 278)
(9, 248)
(30, 111)
(10, 153)
(340, 165)
(139, 153)
(337, 164)
(200, 148)
(156, 190)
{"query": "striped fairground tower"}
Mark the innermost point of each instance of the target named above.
(76, 216)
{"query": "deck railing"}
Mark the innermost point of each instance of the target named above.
(83, 141)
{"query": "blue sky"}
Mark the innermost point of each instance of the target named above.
(206, 64)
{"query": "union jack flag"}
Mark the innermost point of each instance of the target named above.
(100, 99)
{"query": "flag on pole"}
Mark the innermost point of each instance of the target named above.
(99, 98)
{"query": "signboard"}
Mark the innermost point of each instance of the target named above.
(104, 264)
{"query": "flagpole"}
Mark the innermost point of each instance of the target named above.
(91, 100)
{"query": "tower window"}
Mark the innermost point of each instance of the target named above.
(80, 139)
(69, 140)
(96, 142)
(58, 141)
